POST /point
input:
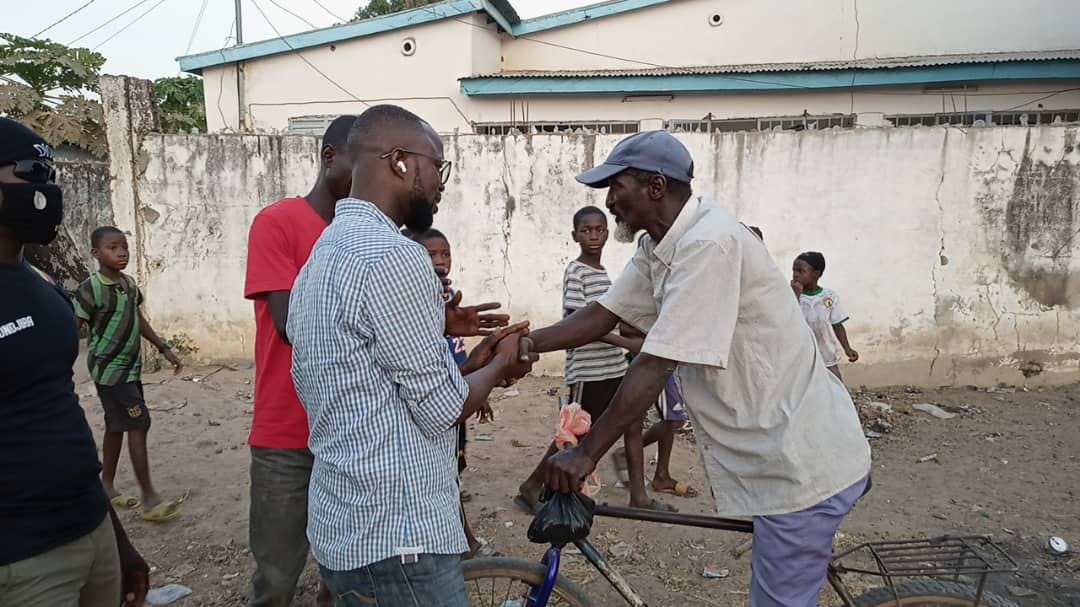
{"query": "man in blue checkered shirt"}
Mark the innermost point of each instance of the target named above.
(367, 320)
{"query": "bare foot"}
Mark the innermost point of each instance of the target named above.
(151, 499)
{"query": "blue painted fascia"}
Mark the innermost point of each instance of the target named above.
(321, 37)
(772, 81)
(496, 15)
(587, 13)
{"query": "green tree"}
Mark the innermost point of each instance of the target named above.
(181, 104)
(44, 84)
(377, 8)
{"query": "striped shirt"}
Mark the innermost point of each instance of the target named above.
(111, 309)
(582, 285)
(381, 391)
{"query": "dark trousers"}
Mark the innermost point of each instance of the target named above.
(277, 523)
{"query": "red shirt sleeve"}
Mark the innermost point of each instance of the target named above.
(271, 265)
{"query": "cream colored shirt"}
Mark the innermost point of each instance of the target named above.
(777, 432)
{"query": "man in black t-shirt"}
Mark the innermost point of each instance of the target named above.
(60, 541)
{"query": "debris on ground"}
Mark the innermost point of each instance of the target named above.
(1020, 591)
(934, 410)
(928, 458)
(620, 550)
(881, 407)
(715, 573)
(167, 594)
(1057, 546)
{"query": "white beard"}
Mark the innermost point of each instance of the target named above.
(624, 233)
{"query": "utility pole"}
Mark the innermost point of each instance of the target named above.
(241, 109)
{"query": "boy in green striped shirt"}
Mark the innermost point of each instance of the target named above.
(108, 303)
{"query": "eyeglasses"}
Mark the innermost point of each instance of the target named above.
(35, 171)
(443, 166)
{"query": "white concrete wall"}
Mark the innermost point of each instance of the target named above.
(779, 31)
(956, 250)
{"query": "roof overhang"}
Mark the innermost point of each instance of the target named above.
(431, 13)
(720, 79)
(499, 11)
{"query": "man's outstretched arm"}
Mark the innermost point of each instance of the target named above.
(584, 326)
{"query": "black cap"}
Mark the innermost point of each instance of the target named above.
(18, 142)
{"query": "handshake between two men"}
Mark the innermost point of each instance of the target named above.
(507, 353)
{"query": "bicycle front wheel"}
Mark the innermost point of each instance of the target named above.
(930, 593)
(505, 582)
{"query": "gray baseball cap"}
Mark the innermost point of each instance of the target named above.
(652, 151)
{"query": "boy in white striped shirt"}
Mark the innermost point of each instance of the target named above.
(594, 371)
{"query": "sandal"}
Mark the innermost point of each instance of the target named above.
(680, 489)
(125, 501)
(165, 511)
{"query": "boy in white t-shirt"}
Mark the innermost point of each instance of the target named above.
(822, 309)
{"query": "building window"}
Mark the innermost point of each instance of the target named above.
(772, 123)
(310, 125)
(986, 118)
(603, 128)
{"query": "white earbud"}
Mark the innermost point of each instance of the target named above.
(401, 165)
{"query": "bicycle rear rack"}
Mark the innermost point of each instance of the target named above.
(973, 556)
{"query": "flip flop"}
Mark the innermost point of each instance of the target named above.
(680, 489)
(125, 501)
(165, 511)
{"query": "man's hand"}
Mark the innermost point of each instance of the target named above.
(485, 415)
(797, 287)
(174, 360)
(506, 354)
(852, 355)
(566, 470)
(485, 350)
(468, 321)
(135, 575)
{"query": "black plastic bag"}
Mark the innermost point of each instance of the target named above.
(563, 518)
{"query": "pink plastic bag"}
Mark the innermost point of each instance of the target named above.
(574, 422)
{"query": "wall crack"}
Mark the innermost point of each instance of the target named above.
(941, 255)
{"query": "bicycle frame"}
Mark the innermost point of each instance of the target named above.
(538, 596)
(941, 557)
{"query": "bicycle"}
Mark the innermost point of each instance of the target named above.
(537, 584)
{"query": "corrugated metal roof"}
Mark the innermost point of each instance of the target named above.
(859, 64)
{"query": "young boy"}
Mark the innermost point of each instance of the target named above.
(108, 302)
(822, 310)
(595, 371)
(438, 247)
(670, 407)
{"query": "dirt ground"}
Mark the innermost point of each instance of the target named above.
(1006, 465)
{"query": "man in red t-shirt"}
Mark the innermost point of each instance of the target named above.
(279, 243)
